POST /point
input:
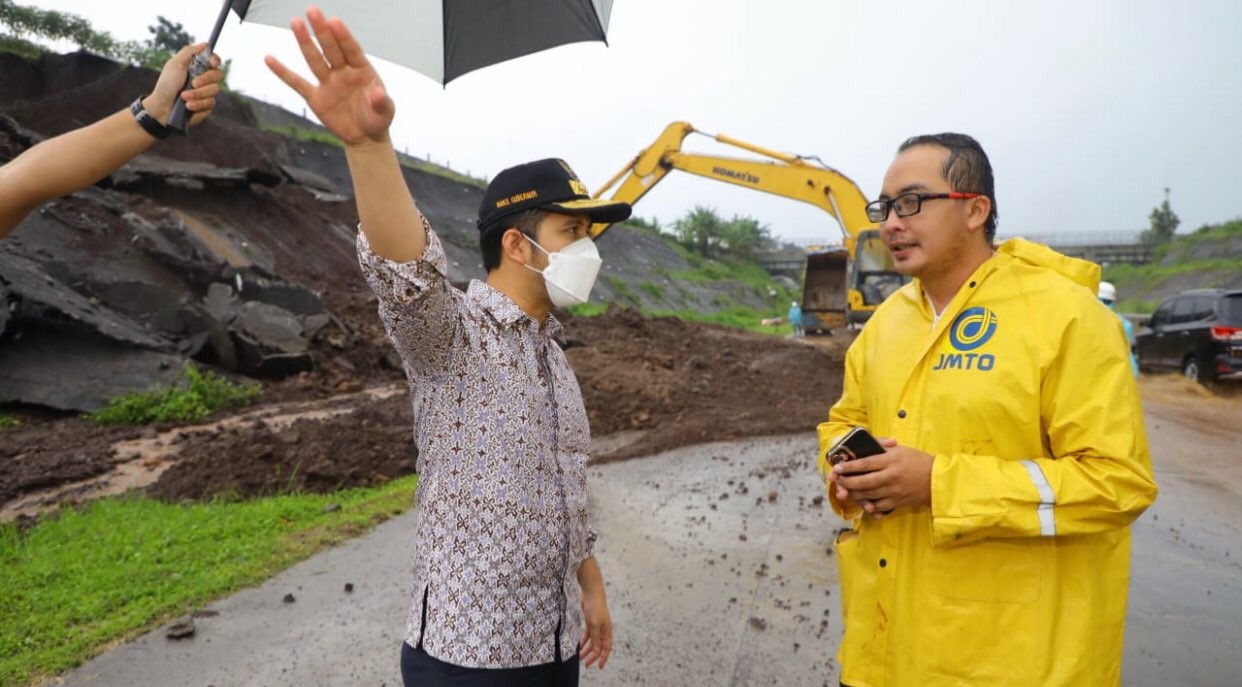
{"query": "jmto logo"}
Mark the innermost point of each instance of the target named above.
(969, 331)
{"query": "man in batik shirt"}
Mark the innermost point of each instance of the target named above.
(506, 588)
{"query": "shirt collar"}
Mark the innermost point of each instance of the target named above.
(506, 312)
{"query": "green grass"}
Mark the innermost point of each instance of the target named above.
(588, 309)
(622, 290)
(302, 133)
(1137, 306)
(653, 290)
(1152, 274)
(79, 581)
(736, 317)
(9, 422)
(437, 170)
(202, 395)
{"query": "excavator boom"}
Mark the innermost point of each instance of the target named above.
(864, 265)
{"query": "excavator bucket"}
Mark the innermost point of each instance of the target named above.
(823, 291)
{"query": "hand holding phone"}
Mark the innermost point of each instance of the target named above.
(857, 443)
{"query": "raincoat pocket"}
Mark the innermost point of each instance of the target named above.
(992, 570)
(846, 548)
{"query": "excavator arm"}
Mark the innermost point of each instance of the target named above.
(787, 175)
(849, 283)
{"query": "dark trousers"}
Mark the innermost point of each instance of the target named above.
(421, 670)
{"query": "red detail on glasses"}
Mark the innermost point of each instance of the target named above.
(957, 195)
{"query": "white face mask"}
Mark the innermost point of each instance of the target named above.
(571, 272)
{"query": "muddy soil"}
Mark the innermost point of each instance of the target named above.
(649, 384)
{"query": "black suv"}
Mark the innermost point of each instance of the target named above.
(1197, 332)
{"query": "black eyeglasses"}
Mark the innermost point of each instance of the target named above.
(909, 204)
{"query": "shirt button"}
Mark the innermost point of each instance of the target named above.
(883, 562)
(901, 413)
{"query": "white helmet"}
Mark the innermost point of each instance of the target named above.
(1107, 292)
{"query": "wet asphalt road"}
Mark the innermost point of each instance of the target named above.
(716, 562)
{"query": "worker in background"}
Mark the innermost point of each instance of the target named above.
(76, 159)
(795, 318)
(1108, 296)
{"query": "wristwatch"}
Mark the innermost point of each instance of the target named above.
(147, 121)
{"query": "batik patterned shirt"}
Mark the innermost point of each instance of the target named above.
(502, 496)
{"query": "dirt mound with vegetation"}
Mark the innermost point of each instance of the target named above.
(649, 384)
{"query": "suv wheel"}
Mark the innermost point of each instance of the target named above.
(1190, 369)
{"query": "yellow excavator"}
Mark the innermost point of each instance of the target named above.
(841, 284)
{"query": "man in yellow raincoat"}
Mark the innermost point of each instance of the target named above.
(991, 541)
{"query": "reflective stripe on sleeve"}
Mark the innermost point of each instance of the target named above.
(1047, 524)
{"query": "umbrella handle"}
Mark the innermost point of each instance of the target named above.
(179, 119)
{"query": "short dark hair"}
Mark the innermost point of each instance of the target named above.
(526, 221)
(967, 170)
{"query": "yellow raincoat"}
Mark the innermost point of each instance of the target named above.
(1017, 574)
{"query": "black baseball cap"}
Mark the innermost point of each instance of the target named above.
(544, 185)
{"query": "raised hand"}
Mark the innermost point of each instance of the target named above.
(350, 99)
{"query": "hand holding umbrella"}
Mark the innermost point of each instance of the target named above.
(350, 99)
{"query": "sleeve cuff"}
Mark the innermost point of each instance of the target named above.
(403, 282)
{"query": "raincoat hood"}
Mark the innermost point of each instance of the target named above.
(1038, 255)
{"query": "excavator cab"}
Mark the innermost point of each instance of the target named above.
(873, 277)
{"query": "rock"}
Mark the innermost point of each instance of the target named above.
(272, 327)
(79, 373)
(289, 598)
(312, 324)
(288, 297)
(254, 360)
(5, 306)
(349, 587)
(181, 629)
(221, 303)
(42, 298)
(332, 508)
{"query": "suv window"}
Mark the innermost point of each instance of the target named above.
(1183, 310)
(1162, 315)
(1231, 310)
(1204, 308)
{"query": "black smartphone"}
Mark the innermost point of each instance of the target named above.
(857, 443)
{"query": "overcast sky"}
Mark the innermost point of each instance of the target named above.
(1088, 109)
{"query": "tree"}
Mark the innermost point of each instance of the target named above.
(743, 236)
(652, 224)
(168, 36)
(700, 229)
(1163, 223)
(23, 23)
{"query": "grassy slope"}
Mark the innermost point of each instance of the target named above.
(82, 580)
(1175, 260)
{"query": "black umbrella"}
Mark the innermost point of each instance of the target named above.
(441, 39)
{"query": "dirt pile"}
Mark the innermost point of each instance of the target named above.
(366, 447)
(673, 383)
(648, 384)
